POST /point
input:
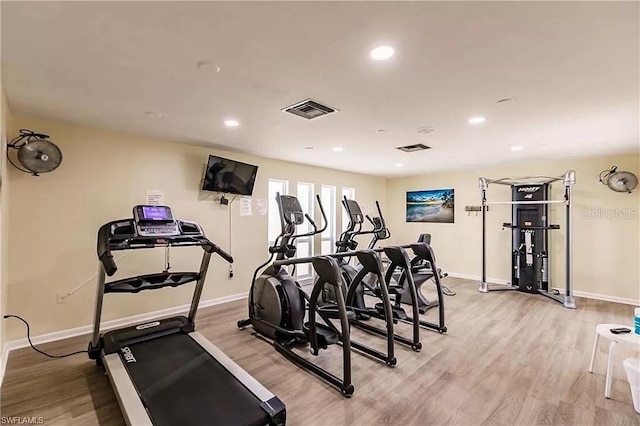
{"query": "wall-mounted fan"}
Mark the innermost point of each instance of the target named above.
(35, 152)
(619, 181)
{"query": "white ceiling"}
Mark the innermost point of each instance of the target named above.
(572, 67)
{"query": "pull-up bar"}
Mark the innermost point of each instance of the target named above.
(492, 203)
(569, 179)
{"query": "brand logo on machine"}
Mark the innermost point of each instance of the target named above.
(128, 356)
(148, 325)
(528, 188)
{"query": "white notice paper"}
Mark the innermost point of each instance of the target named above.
(155, 197)
(245, 206)
(262, 206)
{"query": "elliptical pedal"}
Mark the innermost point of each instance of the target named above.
(326, 335)
(398, 312)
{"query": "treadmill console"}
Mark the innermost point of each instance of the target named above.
(291, 210)
(155, 221)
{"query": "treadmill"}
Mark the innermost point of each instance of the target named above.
(163, 372)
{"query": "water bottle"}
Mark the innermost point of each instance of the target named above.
(637, 321)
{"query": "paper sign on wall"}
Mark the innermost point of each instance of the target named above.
(155, 197)
(262, 207)
(245, 207)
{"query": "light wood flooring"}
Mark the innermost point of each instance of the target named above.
(508, 358)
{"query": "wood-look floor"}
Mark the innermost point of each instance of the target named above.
(508, 358)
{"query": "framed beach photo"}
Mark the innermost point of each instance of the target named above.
(433, 205)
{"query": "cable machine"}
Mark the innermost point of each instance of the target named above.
(530, 228)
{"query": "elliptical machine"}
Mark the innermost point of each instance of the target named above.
(277, 302)
(422, 273)
(362, 279)
(407, 289)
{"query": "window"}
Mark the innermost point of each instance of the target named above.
(328, 237)
(275, 186)
(305, 245)
(350, 193)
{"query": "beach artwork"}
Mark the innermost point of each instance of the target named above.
(436, 206)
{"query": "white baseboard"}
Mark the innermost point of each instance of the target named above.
(477, 278)
(109, 325)
(577, 293)
(604, 297)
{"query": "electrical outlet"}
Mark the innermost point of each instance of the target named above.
(62, 297)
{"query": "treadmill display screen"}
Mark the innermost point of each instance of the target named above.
(156, 213)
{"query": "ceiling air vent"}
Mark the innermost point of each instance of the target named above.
(414, 147)
(309, 109)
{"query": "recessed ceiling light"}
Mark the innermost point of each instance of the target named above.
(382, 53)
(381, 131)
(425, 129)
(309, 148)
(153, 114)
(231, 123)
(399, 164)
(517, 148)
(477, 120)
(208, 66)
(337, 149)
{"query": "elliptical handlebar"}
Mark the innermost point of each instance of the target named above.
(375, 229)
(315, 230)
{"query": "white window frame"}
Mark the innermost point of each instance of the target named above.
(305, 228)
(330, 210)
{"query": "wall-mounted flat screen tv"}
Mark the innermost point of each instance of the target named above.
(229, 176)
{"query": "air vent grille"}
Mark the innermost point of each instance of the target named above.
(309, 109)
(414, 147)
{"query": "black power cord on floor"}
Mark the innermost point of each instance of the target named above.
(36, 349)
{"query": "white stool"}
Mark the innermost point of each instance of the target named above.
(603, 330)
(632, 367)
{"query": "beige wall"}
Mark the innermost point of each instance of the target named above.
(606, 249)
(4, 218)
(55, 218)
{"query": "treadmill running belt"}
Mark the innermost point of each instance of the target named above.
(180, 383)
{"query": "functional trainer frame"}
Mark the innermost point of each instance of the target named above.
(568, 179)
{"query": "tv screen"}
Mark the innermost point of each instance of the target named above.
(234, 177)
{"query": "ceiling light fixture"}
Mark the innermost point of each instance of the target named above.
(382, 53)
(517, 148)
(309, 148)
(337, 149)
(381, 131)
(231, 123)
(153, 114)
(477, 120)
(399, 164)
